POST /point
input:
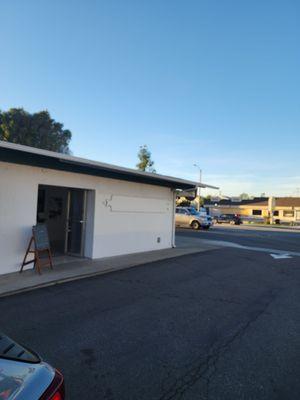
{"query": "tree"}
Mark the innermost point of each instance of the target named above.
(183, 203)
(244, 196)
(36, 130)
(145, 163)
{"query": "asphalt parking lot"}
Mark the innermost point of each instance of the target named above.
(222, 324)
(247, 235)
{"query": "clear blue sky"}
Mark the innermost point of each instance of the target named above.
(212, 82)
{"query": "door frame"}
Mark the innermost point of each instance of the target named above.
(83, 229)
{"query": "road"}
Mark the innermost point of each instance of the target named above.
(222, 324)
(248, 236)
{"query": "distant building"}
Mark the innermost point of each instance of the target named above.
(282, 210)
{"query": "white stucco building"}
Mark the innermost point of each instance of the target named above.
(91, 209)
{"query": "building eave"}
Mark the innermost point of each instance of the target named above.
(25, 155)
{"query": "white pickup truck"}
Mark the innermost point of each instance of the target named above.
(189, 217)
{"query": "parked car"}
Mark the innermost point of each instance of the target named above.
(210, 220)
(24, 376)
(189, 217)
(203, 214)
(233, 219)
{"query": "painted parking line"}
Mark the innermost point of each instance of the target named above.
(280, 256)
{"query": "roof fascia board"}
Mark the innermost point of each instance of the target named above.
(108, 170)
(61, 164)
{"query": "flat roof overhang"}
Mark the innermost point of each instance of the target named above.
(25, 155)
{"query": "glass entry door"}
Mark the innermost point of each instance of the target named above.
(75, 222)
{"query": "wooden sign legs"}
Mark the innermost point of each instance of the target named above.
(37, 260)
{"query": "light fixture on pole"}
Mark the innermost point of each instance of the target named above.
(199, 189)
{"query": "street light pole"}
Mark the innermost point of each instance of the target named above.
(199, 189)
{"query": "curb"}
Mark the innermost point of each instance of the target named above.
(289, 228)
(91, 274)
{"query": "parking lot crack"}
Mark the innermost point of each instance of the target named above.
(205, 366)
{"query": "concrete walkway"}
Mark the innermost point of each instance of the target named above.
(72, 268)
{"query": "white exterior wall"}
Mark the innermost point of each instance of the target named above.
(128, 216)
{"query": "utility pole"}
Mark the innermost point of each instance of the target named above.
(199, 189)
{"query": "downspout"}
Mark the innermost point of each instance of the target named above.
(173, 218)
